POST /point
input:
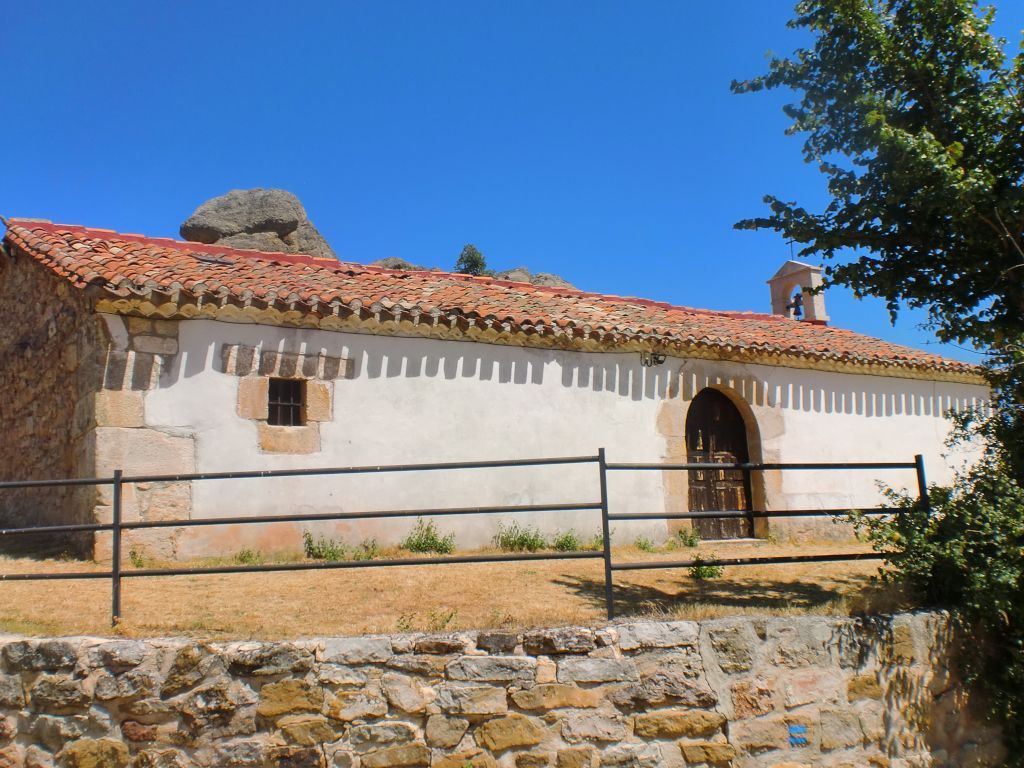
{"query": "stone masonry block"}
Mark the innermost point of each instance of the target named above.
(474, 758)
(760, 734)
(141, 451)
(139, 325)
(465, 699)
(310, 366)
(273, 363)
(119, 408)
(294, 440)
(708, 752)
(840, 728)
(238, 359)
(409, 755)
(493, 668)
(596, 670)
(557, 696)
(318, 400)
(406, 693)
(653, 634)
(673, 723)
(143, 370)
(592, 726)
(863, 687)
(356, 650)
(155, 345)
(252, 397)
(445, 732)
(167, 328)
(336, 368)
(514, 730)
(575, 757)
(753, 697)
(814, 686)
(92, 753)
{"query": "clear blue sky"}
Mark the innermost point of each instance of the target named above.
(597, 140)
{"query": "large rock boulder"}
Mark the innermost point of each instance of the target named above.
(262, 219)
(396, 262)
(518, 275)
(523, 275)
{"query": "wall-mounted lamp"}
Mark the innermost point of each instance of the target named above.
(647, 359)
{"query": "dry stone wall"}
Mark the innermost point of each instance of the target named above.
(749, 693)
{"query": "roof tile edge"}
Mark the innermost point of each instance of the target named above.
(937, 364)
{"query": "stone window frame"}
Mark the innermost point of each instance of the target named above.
(255, 367)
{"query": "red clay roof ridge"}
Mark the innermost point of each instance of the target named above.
(214, 249)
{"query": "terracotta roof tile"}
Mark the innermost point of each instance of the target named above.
(124, 265)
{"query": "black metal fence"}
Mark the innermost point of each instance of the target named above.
(118, 526)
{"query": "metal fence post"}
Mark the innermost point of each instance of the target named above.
(922, 484)
(609, 597)
(115, 554)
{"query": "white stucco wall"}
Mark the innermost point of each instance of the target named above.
(418, 400)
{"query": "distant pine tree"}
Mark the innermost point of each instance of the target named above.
(471, 261)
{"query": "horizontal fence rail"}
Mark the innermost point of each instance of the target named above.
(117, 526)
(749, 466)
(742, 514)
(305, 517)
(271, 473)
(768, 560)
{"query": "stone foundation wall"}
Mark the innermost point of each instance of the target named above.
(52, 358)
(749, 693)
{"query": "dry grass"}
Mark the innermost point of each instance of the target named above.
(298, 604)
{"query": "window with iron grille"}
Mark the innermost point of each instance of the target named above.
(286, 401)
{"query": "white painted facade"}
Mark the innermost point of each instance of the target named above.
(412, 400)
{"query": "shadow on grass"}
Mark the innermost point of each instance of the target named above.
(33, 547)
(857, 594)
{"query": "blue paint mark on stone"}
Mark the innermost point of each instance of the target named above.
(798, 736)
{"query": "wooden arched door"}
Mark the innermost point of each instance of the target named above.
(715, 433)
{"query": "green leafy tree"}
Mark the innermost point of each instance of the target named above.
(471, 261)
(915, 114)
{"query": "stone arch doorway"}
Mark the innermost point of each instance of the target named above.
(716, 433)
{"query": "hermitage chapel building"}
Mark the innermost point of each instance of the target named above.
(157, 356)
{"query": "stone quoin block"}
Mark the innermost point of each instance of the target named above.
(119, 408)
(293, 440)
(318, 400)
(252, 397)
